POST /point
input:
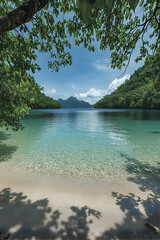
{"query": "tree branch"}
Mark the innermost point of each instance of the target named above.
(21, 15)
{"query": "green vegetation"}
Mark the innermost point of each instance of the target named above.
(15, 96)
(142, 90)
(31, 26)
(73, 102)
(42, 101)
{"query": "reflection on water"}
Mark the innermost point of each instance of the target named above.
(84, 144)
(133, 114)
(6, 151)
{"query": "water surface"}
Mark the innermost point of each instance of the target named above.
(84, 144)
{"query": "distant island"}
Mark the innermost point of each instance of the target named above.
(42, 101)
(73, 102)
(141, 91)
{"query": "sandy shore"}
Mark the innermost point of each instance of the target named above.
(52, 208)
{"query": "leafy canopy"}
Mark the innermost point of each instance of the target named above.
(59, 23)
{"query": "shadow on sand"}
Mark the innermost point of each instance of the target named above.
(26, 219)
(138, 211)
(36, 220)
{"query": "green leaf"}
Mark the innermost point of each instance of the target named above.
(133, 4)
(109, 4)
(85, 9)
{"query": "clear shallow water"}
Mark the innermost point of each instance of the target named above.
(87, 145)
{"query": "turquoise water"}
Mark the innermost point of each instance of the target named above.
(83, 144)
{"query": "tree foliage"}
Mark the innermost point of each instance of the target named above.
(16, 93)
(44, 102)
(52, 25)
(112, 23)
(142, 90)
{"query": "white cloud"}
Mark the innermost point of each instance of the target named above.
(50, 92)
(94, 95)
(53, 91)
(91, 96)
(73, 86)
(117, 82)
(101, 65)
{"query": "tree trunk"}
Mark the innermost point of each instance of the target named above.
(21, 15)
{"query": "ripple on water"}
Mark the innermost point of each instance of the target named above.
(92, 145)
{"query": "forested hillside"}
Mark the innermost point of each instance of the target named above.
(142, 90)
(73, 102)
(44, 102)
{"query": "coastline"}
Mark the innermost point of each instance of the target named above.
(52, 208)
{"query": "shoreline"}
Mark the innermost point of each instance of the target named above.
(45, 206)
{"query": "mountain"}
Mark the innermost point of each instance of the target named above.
(73, 102)
(142, 90)
(42, 101)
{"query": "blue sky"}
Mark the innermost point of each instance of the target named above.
(88, 78)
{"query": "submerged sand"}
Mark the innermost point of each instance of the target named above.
(56, 208)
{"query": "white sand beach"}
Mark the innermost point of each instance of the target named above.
(53, 208)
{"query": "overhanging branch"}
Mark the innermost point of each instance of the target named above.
(21, 15)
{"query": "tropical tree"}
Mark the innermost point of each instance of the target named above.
(31, 26)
